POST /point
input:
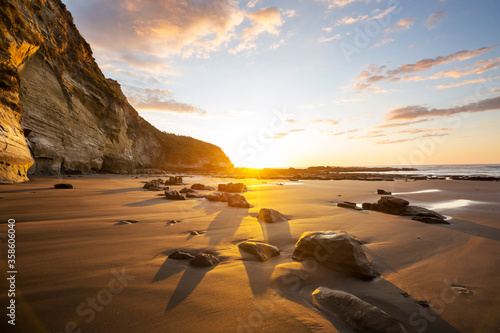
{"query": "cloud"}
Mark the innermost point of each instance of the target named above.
(252, 3)
(291, 121)
(158, 100)
(401, 124)
(415, 111)
(328, 29)
(423, 130)
(283, 134)
(347, 20)
(264, 20)
(326, 121)
(341, 3)
(458, 84)
(383, 42)
(403, 24)
(435, 19)
(329, 39)
(334, 133)
(389, 141)
(289, 13)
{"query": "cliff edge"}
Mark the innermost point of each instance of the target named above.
(58, 113)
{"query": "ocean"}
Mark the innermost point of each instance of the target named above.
(492, 170)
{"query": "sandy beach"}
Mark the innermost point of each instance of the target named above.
(81, 269)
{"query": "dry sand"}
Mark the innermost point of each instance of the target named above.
(71, 248)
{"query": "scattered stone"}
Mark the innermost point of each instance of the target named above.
(223, 197)
(154, 185)
(429, 220)
(63, 186)
(348, 204)
(366, 206)
(361, 316)
(390, 205)
(268, 215)
(238, 201)
(174, 180)
(174, 195)
(202, 187)
(204, 260)
(232, 188)
(262, 251)
(383, 192)
(335, 249)
(187, 190)
(180, 255)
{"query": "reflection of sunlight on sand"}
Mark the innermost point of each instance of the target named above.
(416, 192)
(453, 204)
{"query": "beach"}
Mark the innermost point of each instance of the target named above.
(80, 268)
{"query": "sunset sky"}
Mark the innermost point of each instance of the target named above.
(301, 83)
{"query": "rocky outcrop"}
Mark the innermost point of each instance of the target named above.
(59, 113)
(390, 205)
(335, 249)
(361, 316)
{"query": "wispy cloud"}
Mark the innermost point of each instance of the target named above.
(416, 111)
(383, 42)
(341, 3)
(458, 84)
(329, 39)
(389, 141)
(435, 19)
(401, 124)
(283, 134)
(347, 20)
(403, 24)
(326, 121)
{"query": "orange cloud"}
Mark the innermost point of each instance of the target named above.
(403, 24)
(435, 19)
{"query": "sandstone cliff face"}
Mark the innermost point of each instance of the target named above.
(59, 113)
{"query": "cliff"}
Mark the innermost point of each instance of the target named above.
(60, 114)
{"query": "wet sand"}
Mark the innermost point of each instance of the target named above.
(79, 268)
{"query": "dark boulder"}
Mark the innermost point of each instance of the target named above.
(187, 190)
(232, 188)
(361, 316)
(202, 187)
(366, 206)
(390, 205)
(180, 255)
(204, 260)
(429, 220)
(268, 215)
(174, 195)
(63, 186)
(379, 191)
(420, 211)
(262, 251)
(238, 201)
(337, 250)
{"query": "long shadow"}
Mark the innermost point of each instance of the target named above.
(210, 207)
(276, 234)
(151, 202)
(188, 283)
(228, 219)
(297, 286)
(259, 273)
(168, 268)
(471, 228)
(31, 190)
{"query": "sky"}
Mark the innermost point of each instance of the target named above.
(299, 83)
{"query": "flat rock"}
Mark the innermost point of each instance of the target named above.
(366, 206)
(420, 211)
(268, 215)
(384, 192)
(180, 255)
(174, 195)
(204, 260)
(350, 205)
(337, 250)
(63, 186)
(202, 187)
(262, 251)
(361, 316)
(429, 220)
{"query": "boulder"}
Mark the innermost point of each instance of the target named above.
(174, 195)
(187, 190)
(366, 206)
(383, 192)
(238, 201)
(262, 251)
(335, 249)
(180, 255)
(420, 211)
(268, 215)
(429, 219)
(390, 205)
(350, 205)
(154, 185)
(232, 188)
(63, 186)
(361, 316)
(204, 260)
(202, 187)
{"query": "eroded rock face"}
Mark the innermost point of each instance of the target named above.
(262, 251)
(268, 215)
(58, 110)
(337, 250)
(361, 316)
